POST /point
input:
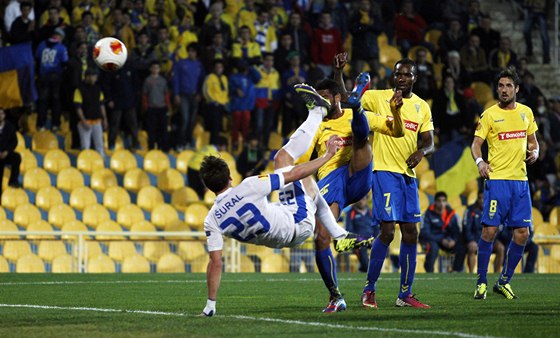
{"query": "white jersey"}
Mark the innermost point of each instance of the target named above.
(244, 213)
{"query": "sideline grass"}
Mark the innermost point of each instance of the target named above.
(285, 305)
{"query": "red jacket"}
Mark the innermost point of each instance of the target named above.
(411, 29)
(325, 44)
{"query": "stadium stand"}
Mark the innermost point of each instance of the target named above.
(63, 264)
(156, 161)
(89, 161)
(95, 214)
(118, 251)
(30, 263)
(170, 263)
(135, 179)
(169, 180)
(122, 161)
(25, 214)
(4, 266)
(115, 197)
(56, 160)
(103, 179)
(28, 160)
(49, 250)
(48, 197)
(69, 179)
(82, 197)
(108, 226)
(128, 215)
(43, 141)
(13, 197)
(182, 197)
(7, 225)
(148, 198)
(142, 226)
(35, 179)
(163, 215)
(135, 264)
(153, 250)
(39, 226)
(100, 264)
(195, 214)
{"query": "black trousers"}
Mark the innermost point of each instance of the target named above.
(13, 160)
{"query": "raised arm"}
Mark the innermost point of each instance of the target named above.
(339, 62)
(308, 168)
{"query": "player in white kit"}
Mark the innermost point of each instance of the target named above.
(244, 213)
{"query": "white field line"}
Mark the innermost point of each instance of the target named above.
(248, 318)
(203, 281)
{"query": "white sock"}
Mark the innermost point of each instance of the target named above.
(326, 217)
(301, 139)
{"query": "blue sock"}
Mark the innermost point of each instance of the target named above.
(484, 252)
(360, 125)
(376, 260)
(407, 260)
(327, 267)
(513, 256)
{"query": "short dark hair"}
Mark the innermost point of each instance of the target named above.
(215, 174)
(509, 73)
(408, 62)
(440, 194)
(330, 85)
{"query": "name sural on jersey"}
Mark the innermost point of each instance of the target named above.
(221, 211)
(509, 135)
(411, 125)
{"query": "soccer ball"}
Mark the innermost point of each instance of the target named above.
(109, 54)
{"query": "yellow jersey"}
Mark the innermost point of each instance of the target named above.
(342, 127)
(390, 153)
(506, 133)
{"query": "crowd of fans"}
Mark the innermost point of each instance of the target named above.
(202, 61)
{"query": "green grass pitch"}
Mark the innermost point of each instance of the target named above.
(251, 305)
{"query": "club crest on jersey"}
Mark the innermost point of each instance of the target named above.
(411, 125)
(388, 210)
(491, 215)
(522, 117)
(510, 135)
(417, 106)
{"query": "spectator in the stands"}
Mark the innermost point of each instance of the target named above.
(409, 27)
(452, 39)
(267, 99)
(54, 22)
(281, 53)
(265, 32)
(156, 104)
(216, 51)
(216, 24)
(529, 93)
(251, 160)
(12, 11)
(502, 57)
(365, 27)
(325, 44)
(8, 155)
(474, 59)
(425, 85)
(301, 35)
(294, 110)
(242, 101)
(449, 113)
(474, 16)
(489, 37)
(23, 27)
(216, 93)
(455, 69)
(246, 48)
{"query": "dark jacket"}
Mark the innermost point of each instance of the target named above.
(8, 137)
(436, 227)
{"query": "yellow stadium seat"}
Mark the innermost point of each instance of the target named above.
(142, 226)
(412, 53)
(154, 250)
(170, 263)
(82, 197)
(118, 251)
(274, 263)
(28, 160)
(424, 201)
(39, 226)
(149, 197)
(432, 36)
(135, 264)
(422, 167)
(74, 225)
(382, 40)
(30, 263)
(483, 92)
(25, 214)
(472, 197)
(389, 55)
(13, 197)
(122, 161)
(229, 159)
(195, 215)
(183, 160)
(236, 178)
(69, 179)
(163, 215)
(156, 161)
(4, 266)
(555, 217)
(95, 214)
(170, 180)
(20, 142)
(47, 197)
(115, 197)
(35, 179)
(428, 182)
(471, 186)
(199, 265)
(92, 249)
(177, 226)
(182, 197)
(143, 140)
(64, 264)
(89, 161)
(275, 141)
(455, 201)
(537, 218)
(135, 179)
(247, 264)
(103, 179)
(2, 214)
(43, 141)
(7, 225)
(191, 250)
(489, 104)
(49, 250)
(55, 160)
(15, 249)
(108, 226)
(209, 197)
(100, 264)
(129, 214)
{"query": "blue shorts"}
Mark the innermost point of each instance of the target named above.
(507, 202)
(339, 187)
(395, 198)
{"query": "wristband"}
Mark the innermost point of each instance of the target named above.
(478, 160)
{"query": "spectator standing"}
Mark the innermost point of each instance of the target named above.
(535, 15)
(359, 220)
(55, 21)
(8, 156)
(294, 110)
(452, 39)
(12, 11)
(214, 25)
(529, 93)
(456, 70)
(301, 33)
(502, 57)
(216, 51)
(265, 32)
(474, 59)
(216, 94)
(22, 29)
(449, 112)
(188, 76)
(250, 161)
(426, 85)
(90, 109)
(267, 99)
(242, 101)
(156, 104)
(325, 44)
(365, 27)
(246, 48)
(409, 27)
(489, 37)
(52, 57)
(281, 62)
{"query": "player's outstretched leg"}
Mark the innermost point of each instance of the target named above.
(360, 126)
(352, 241)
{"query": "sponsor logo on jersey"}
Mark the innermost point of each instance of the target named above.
(417, 106)
(510, 135)
(344, 141)
(263, 177)
(497, 121)
(411, 125)
(522, 117)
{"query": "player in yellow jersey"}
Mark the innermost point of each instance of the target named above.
(394, 185)
(509, 129)
(345, 178)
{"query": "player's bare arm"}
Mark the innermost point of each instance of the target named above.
(532, 149)
(308, 168)
(484, 168)
(339, 62)
(213, 278)
(427, 139)
(396, 125)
